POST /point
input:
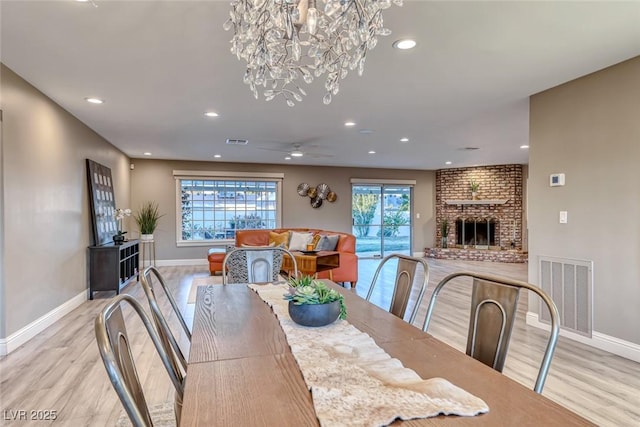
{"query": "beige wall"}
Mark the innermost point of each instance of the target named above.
(153, 180)
(2, 304)
(46, 209)
(589, 129)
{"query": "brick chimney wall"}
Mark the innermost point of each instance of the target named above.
(496, 183)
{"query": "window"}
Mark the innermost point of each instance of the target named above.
(212, 209)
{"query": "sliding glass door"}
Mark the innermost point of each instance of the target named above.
(382, 220)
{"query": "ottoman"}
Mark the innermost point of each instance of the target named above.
(215, 257)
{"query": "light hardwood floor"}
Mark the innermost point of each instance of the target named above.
(61, 370)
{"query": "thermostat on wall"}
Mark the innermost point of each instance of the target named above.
(556, 179)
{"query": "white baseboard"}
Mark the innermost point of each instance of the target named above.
(18, 338)
(177, 262)
(604, 342)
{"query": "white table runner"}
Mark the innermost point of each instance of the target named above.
(356, 383)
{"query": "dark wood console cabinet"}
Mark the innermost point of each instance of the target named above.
(112, 266)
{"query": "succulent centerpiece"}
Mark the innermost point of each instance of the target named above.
(313, 303)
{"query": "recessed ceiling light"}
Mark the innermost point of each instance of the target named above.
(447, 163)
(217, 156)
(404, 44)
(372, 152)
(287, 158)
(147, 153)
(297, 153)
(404, 139)
(350, 124)
(211, 114)
(524, 147)
(94, 100)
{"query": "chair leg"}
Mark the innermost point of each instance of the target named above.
(353, 285)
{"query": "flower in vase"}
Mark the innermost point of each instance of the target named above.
(119, 215)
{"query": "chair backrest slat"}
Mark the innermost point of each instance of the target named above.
(493, 312)
(258, 264)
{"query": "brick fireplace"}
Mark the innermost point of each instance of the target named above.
(487, 228)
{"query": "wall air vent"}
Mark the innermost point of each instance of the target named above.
(569, 282)
(237, 141)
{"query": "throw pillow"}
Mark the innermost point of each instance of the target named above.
(328, 243)
(299, 241)
(279, 239)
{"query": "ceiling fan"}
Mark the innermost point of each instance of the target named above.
(298, 150)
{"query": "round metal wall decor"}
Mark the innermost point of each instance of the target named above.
(312, 192)
(316, 202)
(332, 196)
(303, 188)
(323, 190)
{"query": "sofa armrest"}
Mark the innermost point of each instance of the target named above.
(346, 243)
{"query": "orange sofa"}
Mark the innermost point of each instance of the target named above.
(347, 272)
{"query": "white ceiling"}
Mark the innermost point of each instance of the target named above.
(161, 64)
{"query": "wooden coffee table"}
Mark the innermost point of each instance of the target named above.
(312, 263)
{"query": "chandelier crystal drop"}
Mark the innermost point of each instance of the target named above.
(284, 41)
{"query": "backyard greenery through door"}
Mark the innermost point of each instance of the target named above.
(381, 216)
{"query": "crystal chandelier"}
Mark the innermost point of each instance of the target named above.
(285, 40)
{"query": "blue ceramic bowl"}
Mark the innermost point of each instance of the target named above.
(314, 314)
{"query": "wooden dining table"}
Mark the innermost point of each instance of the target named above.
(241, 371)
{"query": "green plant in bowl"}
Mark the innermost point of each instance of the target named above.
(305, 290)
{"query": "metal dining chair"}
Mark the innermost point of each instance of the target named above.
(404, 283)
(256, 264)
(115, 350)
(167, 337)
(493, 311)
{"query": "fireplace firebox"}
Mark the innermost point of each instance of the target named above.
(479, 233)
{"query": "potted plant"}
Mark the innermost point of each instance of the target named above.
(119, 215)
(147, 218)
(475, 186)
(444, 228)
(313, 303)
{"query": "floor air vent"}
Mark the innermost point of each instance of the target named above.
(570, 285)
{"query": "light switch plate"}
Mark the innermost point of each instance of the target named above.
(564, 217)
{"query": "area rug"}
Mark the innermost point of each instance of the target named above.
(162, 415)
(201, 281)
